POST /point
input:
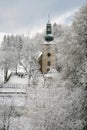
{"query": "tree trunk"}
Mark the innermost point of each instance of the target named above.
(5, 74)
(16, 69)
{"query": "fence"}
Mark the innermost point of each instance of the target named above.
(13, 88)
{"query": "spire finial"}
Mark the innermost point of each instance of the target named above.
(48, 18)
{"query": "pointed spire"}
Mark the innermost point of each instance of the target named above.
(48, 18)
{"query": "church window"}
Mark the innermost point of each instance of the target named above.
(49, 54)
(48, 63)
(48, 69)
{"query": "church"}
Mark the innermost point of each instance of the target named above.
(47, 59)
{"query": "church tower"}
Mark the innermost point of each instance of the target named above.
(48, 50)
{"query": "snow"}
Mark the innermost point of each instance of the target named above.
(1, 37)
(14, 79)
(20, 69)
(39, 54)
(1, 75)
(42, 98)
(14, 91)
(49, 101)
(52, 73)
(51, 42)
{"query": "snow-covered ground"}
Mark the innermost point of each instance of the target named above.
(18, 80)
(14, 91)
(48, 96)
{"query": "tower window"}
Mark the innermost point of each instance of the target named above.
(49, 54)
(49, 63)
(48, 69)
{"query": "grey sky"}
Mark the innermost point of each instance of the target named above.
(20, 16)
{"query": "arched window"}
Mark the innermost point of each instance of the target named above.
(48, 63)
(49, 54)
(48, 69)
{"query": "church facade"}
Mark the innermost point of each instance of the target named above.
(47, 60)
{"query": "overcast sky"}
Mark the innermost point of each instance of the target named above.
(21, 16)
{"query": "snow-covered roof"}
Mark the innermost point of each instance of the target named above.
(20, 69)
(52, 73)
(39, 54)
(51, 42)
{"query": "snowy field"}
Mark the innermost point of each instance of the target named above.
(17, 80)
(30, 110)
(14, 91)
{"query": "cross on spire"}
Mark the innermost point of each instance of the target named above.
(48, 18)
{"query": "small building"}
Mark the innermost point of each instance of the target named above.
(21, 71)
(47, 58)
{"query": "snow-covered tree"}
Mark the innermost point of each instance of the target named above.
(29, 60)
(8, 56)
(80, 30)
(11, 52)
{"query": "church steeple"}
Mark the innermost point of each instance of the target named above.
(49, 36)
(48, 57)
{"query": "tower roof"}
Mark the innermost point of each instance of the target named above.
(49, 36)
